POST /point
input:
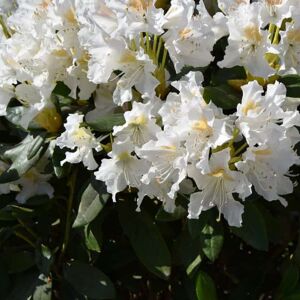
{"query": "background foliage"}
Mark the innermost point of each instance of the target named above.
(80, 245)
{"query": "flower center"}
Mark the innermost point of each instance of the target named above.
(123, 156)
(138, 121)
(251, 32)
(273, 2)
(81, 134)
(139, 5)
(220, 174)
(184, 33)
(250, 105)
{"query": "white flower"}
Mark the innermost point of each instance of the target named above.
(289, 47)
(81, 139)
(135, 16)
(7, 7)
(137, 69)
(260, 115)
(274, 12)
(266, 167)
(176, 105)
(122, 169)
(6, 93)
(140, 126)
(157, 190)
(190, 41)
(217, 182)
(168, 158)
(247, 42)
(33, 183)
(229, 6)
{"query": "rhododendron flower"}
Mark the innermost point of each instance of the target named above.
(81, 139)
(122, 169)
(217, 184)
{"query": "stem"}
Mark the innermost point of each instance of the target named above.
(158, 50)
(71, 185)
(276, 36)
(239, 150)
(28, 229)
(24, 238)
(154, 44)
(4, 28)
(147, 43)
(164, 58)
(133, 45)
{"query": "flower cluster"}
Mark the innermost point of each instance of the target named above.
(147, 65)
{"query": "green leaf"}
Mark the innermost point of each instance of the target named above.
(205, 287)
(61, 89)
(18, 262)
(59, 170)
(223, 96)
(225, 74)
(253, 230)
(44, 259)
(211, 6)
(24, 156)
(91, 241)
(196, 226)
(185, 249)
(92, 202)
(289, 280)
(24, 286)
(193, 265)
(163, 216)
(106, 123)
(212, 240)
(146, 240)
(15, 114)
(35, 147)
(292, 83)
(89, 281)
(4, 281)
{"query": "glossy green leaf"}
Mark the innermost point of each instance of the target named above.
(89, 281)
(289, 280)
(106, 123)
(59, 170)
(225, 74)
(146, 240)
(18, 262)
(44, 259)
(292, 84)
(4, 280)
(223, 96)
(194, 265)
(212, 240)
(92, 243)
(91, 203)
(24, 286)
(253, 230)
(205, 287)
(24, 156)
(196, 226)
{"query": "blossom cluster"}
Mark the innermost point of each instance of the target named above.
(145, 60)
